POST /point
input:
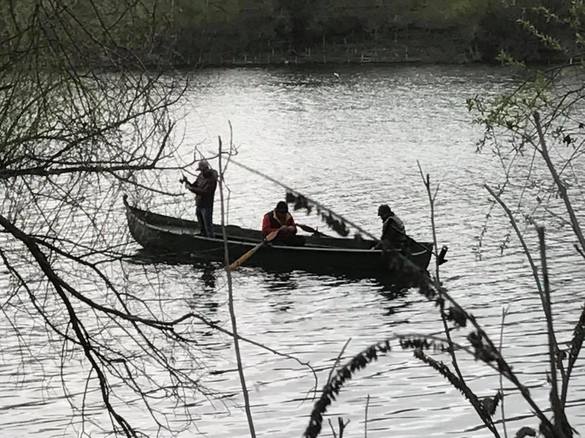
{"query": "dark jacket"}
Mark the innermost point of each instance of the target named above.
(204, 188)
(393, 233)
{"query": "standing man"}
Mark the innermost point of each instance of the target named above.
(393, 233)
(204, 189)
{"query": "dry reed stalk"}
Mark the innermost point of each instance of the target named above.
(231, 302)
(502, 410)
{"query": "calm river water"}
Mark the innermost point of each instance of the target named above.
(350, 138)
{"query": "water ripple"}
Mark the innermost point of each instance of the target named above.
(351, 144)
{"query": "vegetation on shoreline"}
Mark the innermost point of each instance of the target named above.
(212, 32)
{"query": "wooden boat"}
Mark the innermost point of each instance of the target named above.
(174, 237)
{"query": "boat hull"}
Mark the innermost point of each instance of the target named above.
(173, 237)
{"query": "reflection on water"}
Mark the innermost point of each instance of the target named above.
(205, 291)
(352, 142)
(208, 275)
(281, 281)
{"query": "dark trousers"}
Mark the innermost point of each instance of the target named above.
(205, 219)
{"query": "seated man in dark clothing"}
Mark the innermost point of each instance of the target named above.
(393, 232)
(282, 221)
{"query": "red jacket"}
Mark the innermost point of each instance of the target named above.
(270, 223)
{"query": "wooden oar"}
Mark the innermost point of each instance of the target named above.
(243, 258)
(309, 229)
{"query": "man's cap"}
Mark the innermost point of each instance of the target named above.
(203, 164)
(281, 207)
(384, 209)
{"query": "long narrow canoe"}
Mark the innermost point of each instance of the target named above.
(174, 237)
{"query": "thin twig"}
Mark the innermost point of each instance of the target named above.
(431, 198)
(337, 360)
(562, 189)
(473, 400)
(366, 417)
(231, 303)
(525, 394)
(332, 428)
(504, 313)
(557, 408)
(342, 425)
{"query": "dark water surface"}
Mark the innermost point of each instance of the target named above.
(350, 138)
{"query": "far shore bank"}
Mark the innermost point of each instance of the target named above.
(420, 51)
(424, 48)
(310, 57)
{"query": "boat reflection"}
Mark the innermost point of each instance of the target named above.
(280, 281)
(390, 288)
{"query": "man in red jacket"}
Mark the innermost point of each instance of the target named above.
(282, 221)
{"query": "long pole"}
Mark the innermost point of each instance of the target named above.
(296, 193)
